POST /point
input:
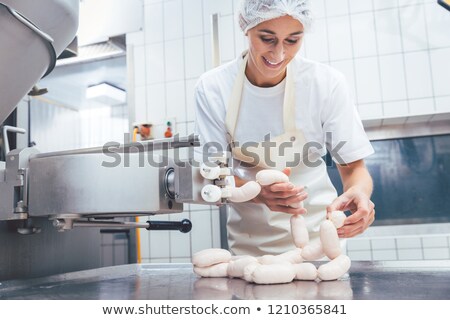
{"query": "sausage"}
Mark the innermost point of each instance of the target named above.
(236, 267)
(214, 271)
(273, 273)
(338, 218)
(330, 239)
(245, 193)
(313, 252)
(209, 257)
(305, 271)
(334, 269)
(269, 176)
(299, 231)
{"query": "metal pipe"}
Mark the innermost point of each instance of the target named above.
(7, 129)
(142, 146)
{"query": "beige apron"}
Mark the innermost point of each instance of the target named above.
(252, 228)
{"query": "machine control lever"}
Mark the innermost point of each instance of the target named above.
(184, 225)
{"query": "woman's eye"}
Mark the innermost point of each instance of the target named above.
(267, 40)
(292, 41)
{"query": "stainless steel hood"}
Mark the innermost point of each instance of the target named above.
(33, 34)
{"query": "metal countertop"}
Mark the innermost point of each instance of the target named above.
(415, 280)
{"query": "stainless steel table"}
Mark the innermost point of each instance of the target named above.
(366, 280)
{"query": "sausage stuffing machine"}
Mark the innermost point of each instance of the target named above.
(88, 187)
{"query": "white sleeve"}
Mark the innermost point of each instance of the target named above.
(209, 125)
(343, 131)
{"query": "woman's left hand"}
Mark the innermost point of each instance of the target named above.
(361, 208)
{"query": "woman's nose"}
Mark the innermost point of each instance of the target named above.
(279, 53)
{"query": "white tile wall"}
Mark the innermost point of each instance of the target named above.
(392, 74)
(363, 33)
(411, 242)
(418, 75)
(192, 18)
(367, 87)
(173, 20)
(440, 67)
(339, 38)
(395, 60)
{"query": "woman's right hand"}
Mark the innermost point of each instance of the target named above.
(280, 196)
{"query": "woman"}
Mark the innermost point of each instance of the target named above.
(269, 106)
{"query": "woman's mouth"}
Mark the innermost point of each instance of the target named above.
(272, 64)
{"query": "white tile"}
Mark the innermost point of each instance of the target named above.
(336, 7)
(159, 260)
(241, 41)
(136, 38)
(174, 60)
(316, 42)
(388, 31)
(156, 105)
(384, 4)
(435, 242)
(358, 244)
(360, 255)
(154, 63)
(226, 37)
(339, 39)
(409, 243)
(367, 80)
(440, 66)
(181, 130)
(360, 5)
(173, 20)
(443, 104)
(176, 103)
(318, 8)
(215, 6)
(421, 106)
(438, 22)
(190, 100)
(139, 66)
(414, 29)
(154, 25)
(192, 18)
(194, 57)
(392, 72)
(363, 34)
(410, 254)
(145, 242)
(152, 1)
(191, 127)
(411, 2)
(159, 243)
(180, 243)
(347, 68)
(180, 260)
(370, 111)
(384, 255)
(395, 109)
(201, 231)
(435, 253)
(418, 77)
(378, 244)
(207, 47)
(140, 104)
(198, 207)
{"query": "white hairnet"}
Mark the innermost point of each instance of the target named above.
(253, 12)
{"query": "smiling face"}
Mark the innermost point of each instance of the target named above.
(272, 45)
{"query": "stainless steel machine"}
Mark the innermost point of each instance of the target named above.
(88, 187)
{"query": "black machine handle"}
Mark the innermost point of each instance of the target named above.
(184, 225)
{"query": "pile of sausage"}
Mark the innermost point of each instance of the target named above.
(285, 267)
